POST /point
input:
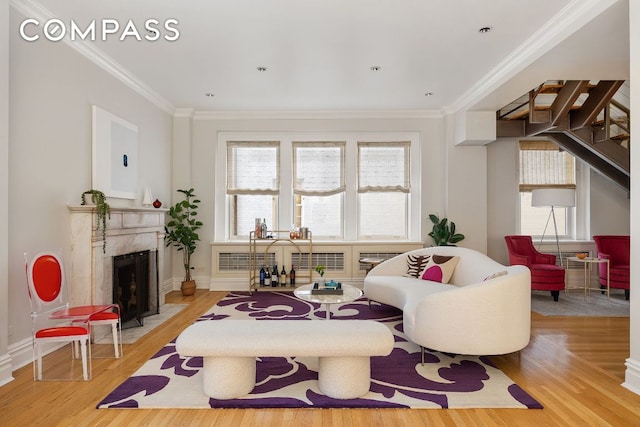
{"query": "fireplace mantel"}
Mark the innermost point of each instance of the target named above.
(130, 229)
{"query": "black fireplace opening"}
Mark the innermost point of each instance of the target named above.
(135, 286)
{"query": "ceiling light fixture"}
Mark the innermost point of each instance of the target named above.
(428, 94)
(485, 30)
(209, 95)
(375, 68)
(261, 69)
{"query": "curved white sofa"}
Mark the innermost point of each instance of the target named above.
(470, 315)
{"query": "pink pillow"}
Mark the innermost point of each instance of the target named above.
(440, 268)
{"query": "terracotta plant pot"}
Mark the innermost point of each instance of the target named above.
(188, 288)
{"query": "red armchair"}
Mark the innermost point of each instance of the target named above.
(545, 274)
(616, 250)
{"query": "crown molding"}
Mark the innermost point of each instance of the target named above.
(566, 22)
(33, 9)
(183, 113)
(318, 115)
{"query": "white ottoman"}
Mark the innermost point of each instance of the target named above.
(229, 348)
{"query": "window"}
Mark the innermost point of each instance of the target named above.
(383, 188)
(543, 165)
(318, 171)
(342, 186)
(253, 182)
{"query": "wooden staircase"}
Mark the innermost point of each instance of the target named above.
(581, 117)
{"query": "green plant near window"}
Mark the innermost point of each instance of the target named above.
(444, 233)
(103, 211)
(181, 229)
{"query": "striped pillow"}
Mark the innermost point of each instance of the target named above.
(416, 263)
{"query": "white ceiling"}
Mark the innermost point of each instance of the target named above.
(318, 54)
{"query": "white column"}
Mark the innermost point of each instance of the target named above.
(181, 153)
(180, 177)
(632, 374)
(466, 189)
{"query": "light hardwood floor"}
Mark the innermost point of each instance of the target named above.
(573, 366)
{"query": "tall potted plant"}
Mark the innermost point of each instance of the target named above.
(181, 233)
(444, 233)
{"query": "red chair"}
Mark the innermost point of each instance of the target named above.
(112, 319)
(616, 250)
(54, 320)
(47, 296)
(545, 274)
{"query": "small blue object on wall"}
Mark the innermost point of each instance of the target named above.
(125, 160)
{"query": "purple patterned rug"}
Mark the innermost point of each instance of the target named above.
(397, 381)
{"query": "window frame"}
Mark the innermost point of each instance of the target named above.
(404, 188)
(339, 190)
(234, 192)
(286, 199)
(572, 213)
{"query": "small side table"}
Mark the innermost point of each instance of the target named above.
(370, 263)
(589, 261)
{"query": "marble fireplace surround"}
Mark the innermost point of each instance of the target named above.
(89, 270)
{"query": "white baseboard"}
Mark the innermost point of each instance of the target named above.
(21, 353)
(228, 284)
(632, 376)
(6, 369)
(166, 287)
(174, 283)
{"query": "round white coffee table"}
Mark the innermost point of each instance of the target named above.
(349, 293)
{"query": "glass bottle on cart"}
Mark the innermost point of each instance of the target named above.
(267, 277)
(262, 275)
(263, 229)
(292, 276)
(274, 276)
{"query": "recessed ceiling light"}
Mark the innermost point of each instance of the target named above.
(428, 94)
(261, 69)
(376, 68)
(209, 95)
(484, 30)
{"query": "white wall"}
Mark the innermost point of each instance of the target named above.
(610, 206)
(52, 89)
(5, 360)
(502, 196)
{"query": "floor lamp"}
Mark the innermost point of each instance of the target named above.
(552, 197)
